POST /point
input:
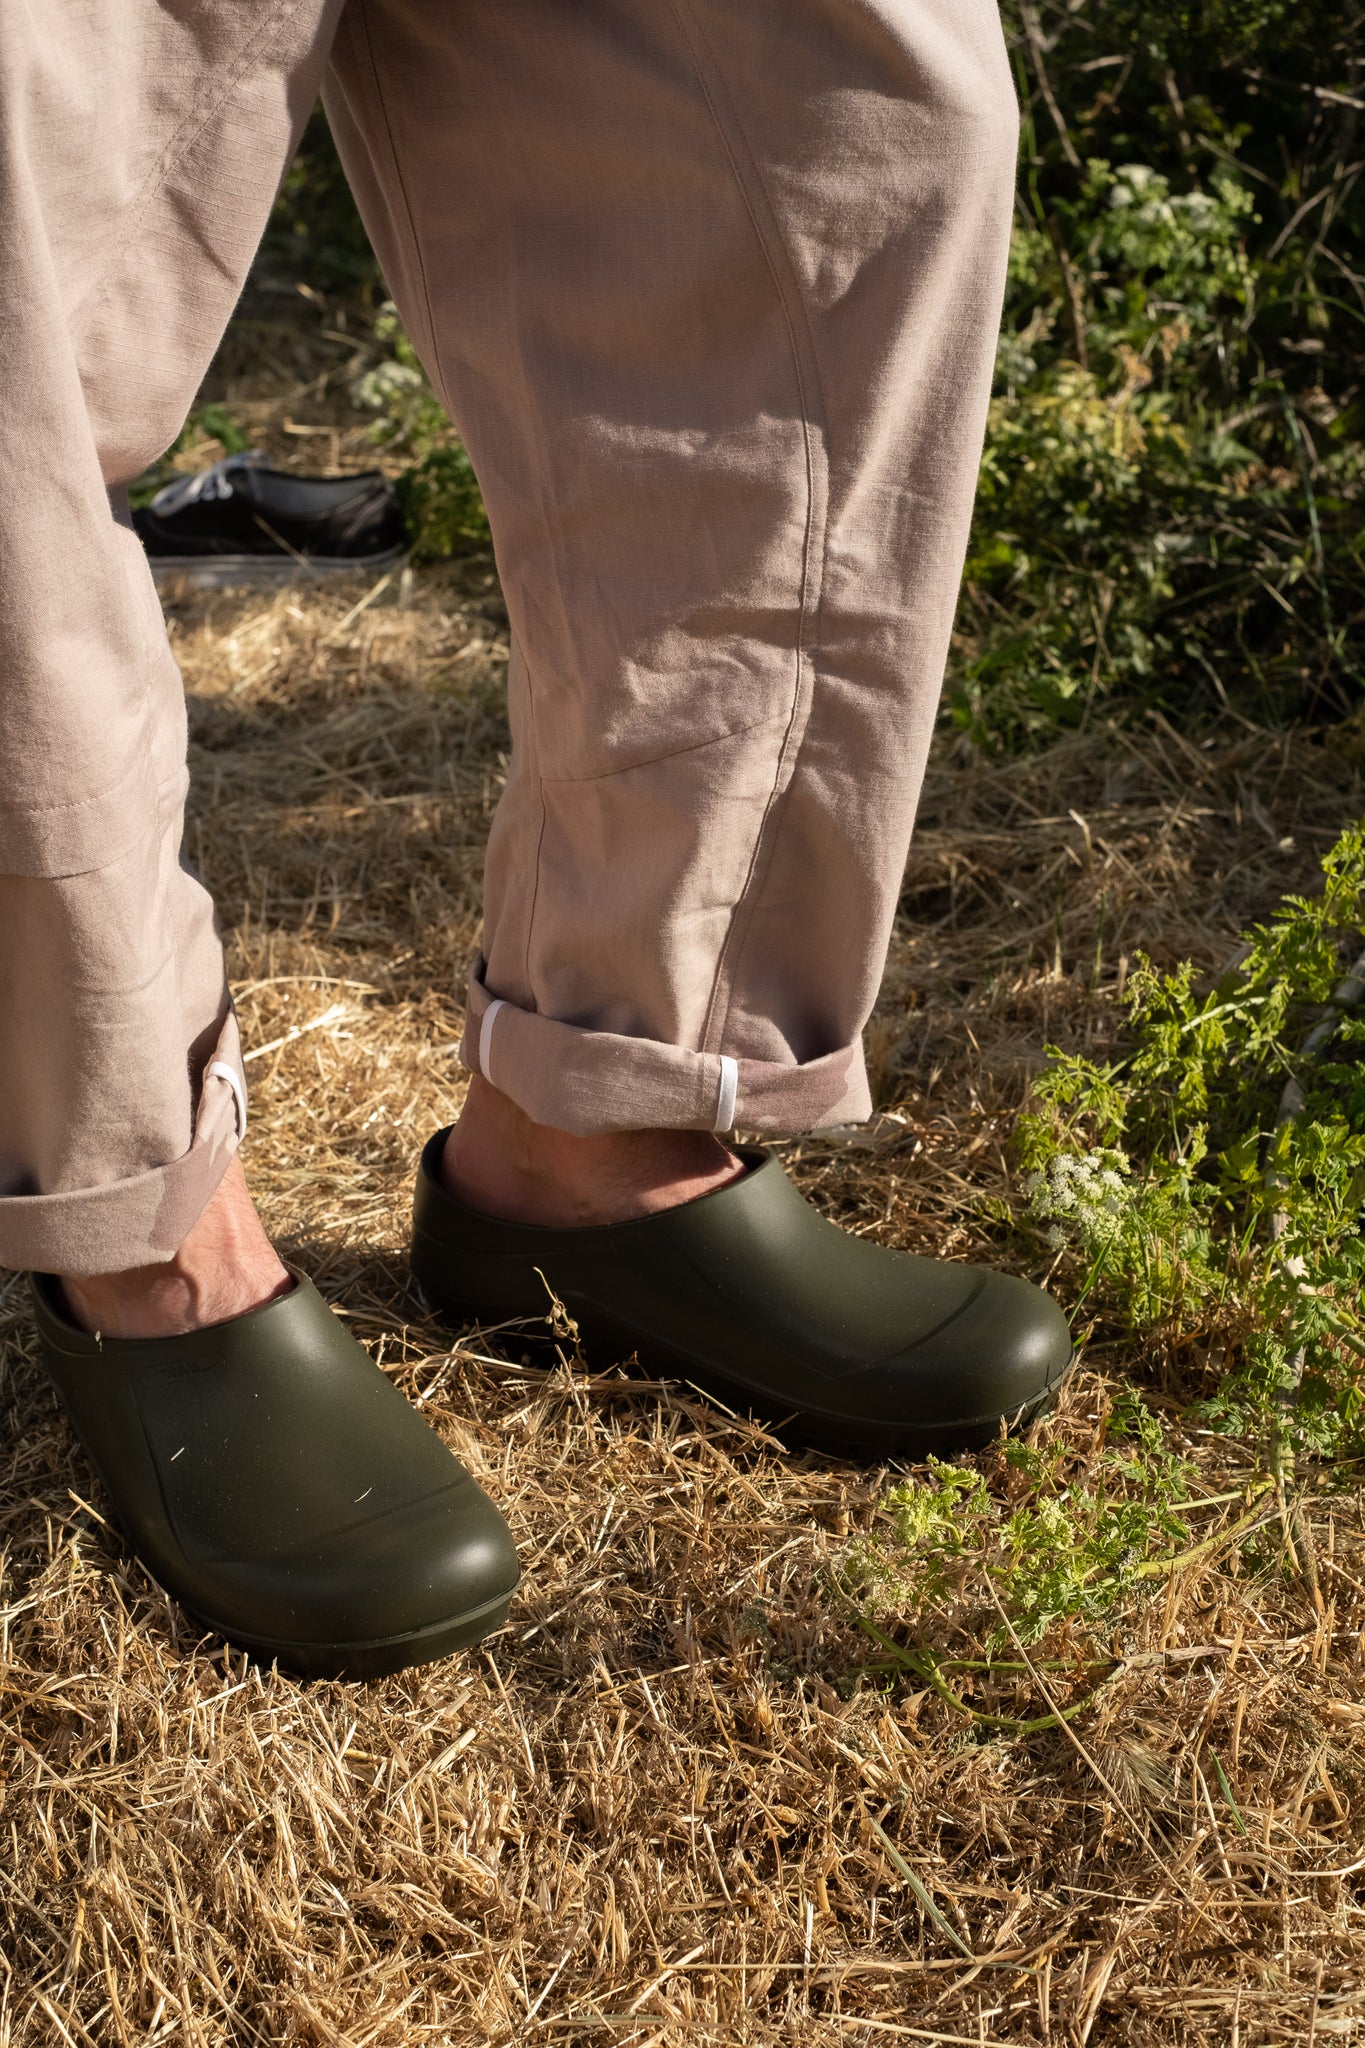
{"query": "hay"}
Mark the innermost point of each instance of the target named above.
(662, 1807)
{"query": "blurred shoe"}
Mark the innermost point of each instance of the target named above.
(242, 523)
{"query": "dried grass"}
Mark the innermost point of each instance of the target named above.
(661, 1807)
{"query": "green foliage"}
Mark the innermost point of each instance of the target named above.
(1054, 1547)
(444, 505)
(1213, 1180)
(439, 490)
(1099, 486)
(1170, 506)
(217, 423)
(315, 233)
(1204, 1195)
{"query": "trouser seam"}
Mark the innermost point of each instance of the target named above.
(540, 850)
(357, 14)
(758, 204)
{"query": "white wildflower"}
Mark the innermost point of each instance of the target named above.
(1083, 1196)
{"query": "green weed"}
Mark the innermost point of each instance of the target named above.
(1170, 505)
(1212, 1180)
(1204, 1194)
(439, 490)
(1055, 1548)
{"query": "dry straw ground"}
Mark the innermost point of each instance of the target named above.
(663, 1807)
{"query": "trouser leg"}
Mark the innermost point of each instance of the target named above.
(711, 288)
(140, 149)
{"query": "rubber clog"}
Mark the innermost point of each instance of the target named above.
(752, 1295)
(278, 1486)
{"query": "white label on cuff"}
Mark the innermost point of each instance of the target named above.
(725, 1098)
(486, 1036)
(219, 1070)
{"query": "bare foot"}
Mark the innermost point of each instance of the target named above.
(226, 1266)
(500, 1162)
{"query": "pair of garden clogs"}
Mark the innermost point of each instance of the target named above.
(273, 1479)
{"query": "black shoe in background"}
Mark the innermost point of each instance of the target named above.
(243, 523)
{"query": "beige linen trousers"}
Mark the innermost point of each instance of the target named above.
(711, 289)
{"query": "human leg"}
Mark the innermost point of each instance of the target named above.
(500, 1161)
(140, 149)
(711, 290)
(139, 153)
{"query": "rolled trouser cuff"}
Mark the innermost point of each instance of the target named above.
(144, 1219)
(594, 1081)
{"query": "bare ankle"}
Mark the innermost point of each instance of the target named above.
(498, 1160)
(225, 1267)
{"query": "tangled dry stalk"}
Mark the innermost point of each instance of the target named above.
(666, 1806)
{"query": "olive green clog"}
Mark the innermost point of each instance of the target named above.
(751, 1294)
(280, 1488)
